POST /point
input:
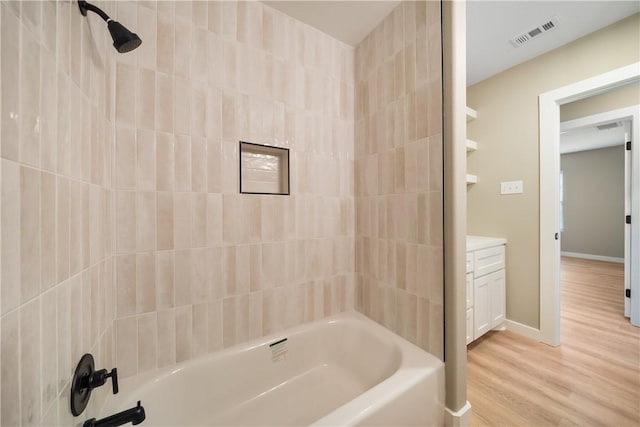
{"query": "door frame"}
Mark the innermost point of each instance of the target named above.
(549, 131)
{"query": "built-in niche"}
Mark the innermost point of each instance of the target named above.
(263, 169)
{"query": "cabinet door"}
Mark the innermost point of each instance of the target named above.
(481, 306)
(470, 331)
(497, 291)
(469, 290)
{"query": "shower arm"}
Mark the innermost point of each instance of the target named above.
(84, 7)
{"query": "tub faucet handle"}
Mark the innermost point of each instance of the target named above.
(100, 377)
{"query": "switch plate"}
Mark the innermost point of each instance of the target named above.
(511, 187)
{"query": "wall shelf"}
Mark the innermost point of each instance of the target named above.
(471, 145)
(471, 114)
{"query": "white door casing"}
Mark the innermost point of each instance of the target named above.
(549, 132)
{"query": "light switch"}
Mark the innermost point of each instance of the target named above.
(511, 187)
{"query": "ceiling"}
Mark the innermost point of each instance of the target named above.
(490, 25)
(591, 138)
(347, 21)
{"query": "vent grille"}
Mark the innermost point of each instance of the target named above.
(608, 126)
(525, 37)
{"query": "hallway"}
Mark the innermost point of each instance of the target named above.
(593, 378)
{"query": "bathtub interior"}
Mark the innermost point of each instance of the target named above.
(324, 368)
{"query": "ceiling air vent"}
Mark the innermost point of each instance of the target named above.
(608, 126)
(550, 24)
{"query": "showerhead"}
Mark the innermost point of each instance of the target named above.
(123, 39)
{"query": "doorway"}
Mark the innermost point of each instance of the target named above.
(595, 189)
(549, 110)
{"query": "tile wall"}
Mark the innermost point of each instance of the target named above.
(398, 186)
(200, 267)
(56, 285)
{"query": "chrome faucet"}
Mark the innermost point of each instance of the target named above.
(134, 416)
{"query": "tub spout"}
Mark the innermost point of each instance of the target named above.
(134, 416)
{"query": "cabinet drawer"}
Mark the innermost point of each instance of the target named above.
(469, 262)
(469, 290)
(488, 260)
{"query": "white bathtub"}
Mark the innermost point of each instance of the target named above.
(340, 371)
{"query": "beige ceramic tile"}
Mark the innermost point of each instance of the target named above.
(63, 133)
(198, 164)
(182, 217)
(184, 333)
(214, 329)
(10, 366)
(125, 219)
(200, 330)
(125, 285)
(165, 44)
(125, 158)
(146, 221)
(127, 346)
(165, 161)
(164, 220)
(215, 17)
(199, 273)
(198, 220)
(147, 342)
(423, 319)
(229, 19)
(166, 338)
(30, 353)
(145, 99)
(48, 234)
(48, 111)
(182, 277)
(146, 160)
(164, 285)
(63, 335)
(182, 106)
(49, 346)
(228, 322)
(147, 30)
(164, 102)
(214, 166)
(10, 208)
(183, 43)
(145, 283)
(30, 256)
(182, 158)
(10, 84)
(198, 58)
(29, 99)
(126, 94)
(199, 109)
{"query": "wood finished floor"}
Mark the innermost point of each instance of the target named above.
(592, 379)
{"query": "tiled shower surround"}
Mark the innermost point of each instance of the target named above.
(398, 187)
(122, 228)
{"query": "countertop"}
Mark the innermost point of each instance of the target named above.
(481, 242)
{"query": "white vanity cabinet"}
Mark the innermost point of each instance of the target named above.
(485, 285)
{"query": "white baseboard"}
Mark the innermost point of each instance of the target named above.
(524, 330)
(593, 257)
(459, 418)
